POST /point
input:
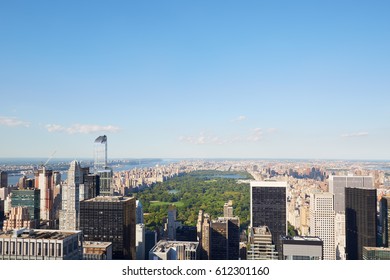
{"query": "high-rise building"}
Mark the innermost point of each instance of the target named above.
(150, 241)
(260, 244)
(337, 185)
(43, 181)
(360, 221)
(69, 214)
(186, 233)
(339, 227)
(322, 222)
(228, 209)
(384, 216)
(30, 199)
(268, 208)
(18, 218)
(174, 250)
(110, 219)
(140, 213)
(376, 253)
(140, 242)
(3, 179)
(100, 153)
(172, 222)
(203, 228)
(302, 248)
(92, 185)
(225, 239)
(41, 245)
(105, 182)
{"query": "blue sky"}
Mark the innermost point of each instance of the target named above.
(260, 79)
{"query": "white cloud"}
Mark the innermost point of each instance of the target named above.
(239, 119)
(12, 121)
(256, 135)
(356, 134)
(82, 128)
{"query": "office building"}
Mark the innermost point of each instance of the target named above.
(43, 182)
(150, 242)
(322, 222)
(69, 214)
(110, 219)
(97, 250)
(339, 228)
(268, 208)
(302, 248)
(92, 185)
(228, 209)
(225, 239)
(105, 182)
(140, 213)
(30, 199)
(174, 250)
(260, 244)
(186, 233)
(360, 221)
(41, 245)
(337, 185)
(376, 253)
(203, 228)
(3, 179)
(140, 242)
(384, 215)
(171, 234)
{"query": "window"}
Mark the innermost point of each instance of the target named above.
(39, 249)
(1, 247)
(32, 247)
(46, 249)
(59, 250)
(52, 250)
(26, 249)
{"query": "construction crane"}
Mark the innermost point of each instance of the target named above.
(52, 155)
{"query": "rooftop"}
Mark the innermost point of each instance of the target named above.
(164, 246)
(109, 199)
(96, 244)
(39, 234)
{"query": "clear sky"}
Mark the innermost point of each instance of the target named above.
(173, 79)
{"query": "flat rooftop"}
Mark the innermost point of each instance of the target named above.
(39, 234)
(96, 244)
(280, 184)
(109, 199)
(163, 246)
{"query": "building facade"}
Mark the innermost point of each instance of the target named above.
(260, 244)
(360, 221)
(302, 248)
(110, 219)
(322, 222)
(268, 208)
(41, 245)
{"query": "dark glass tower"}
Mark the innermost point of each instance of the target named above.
(384, 220)
(268, 208)
(110, 219)
(30, 199)
(225, 239)
(360, 221)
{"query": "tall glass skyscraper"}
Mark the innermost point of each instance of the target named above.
(268, 208)
(100, 153)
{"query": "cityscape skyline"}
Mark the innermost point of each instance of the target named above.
(195, 80)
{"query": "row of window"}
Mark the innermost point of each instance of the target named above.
(31, 249)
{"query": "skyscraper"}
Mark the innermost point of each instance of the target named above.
(171, 234)
(360, 221)
(43, 181)
(225, 239)
(3, 179)
(29, 199)
(203, 228)
(322, 222)
(384, 216)
(260, 244)
(140, 213)
(110, 219)
(69, 214)
(337, 185)
(302, 248)
(100, 153)
(268, 208)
